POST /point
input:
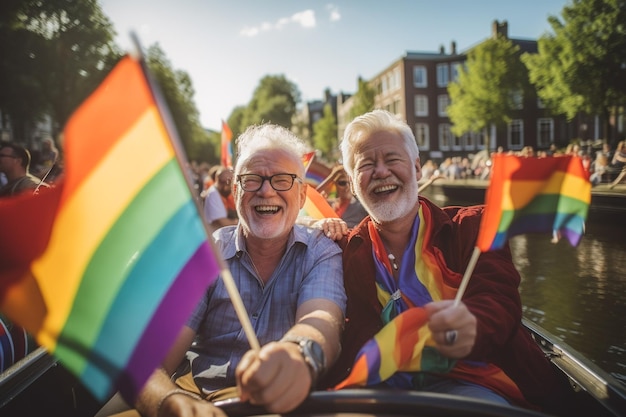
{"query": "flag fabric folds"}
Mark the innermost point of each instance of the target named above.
(226, 158)
(404, 344)
(534, 195)
(128, 256)
(315, 205)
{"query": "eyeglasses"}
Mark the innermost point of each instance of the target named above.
(279, 182)
(341, 183)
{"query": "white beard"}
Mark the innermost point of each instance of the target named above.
(386, 211)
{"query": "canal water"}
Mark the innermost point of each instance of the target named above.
(577, 294)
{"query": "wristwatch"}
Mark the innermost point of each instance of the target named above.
(312, 353)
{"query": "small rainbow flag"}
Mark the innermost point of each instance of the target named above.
(404, 344)
(307, 159)
(126, 257)
(534, 195)
(316, 173)
(226, 158)
(316, 206)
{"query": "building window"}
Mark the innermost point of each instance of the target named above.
(516, 134)
(422, 136)
(456, 67)
(420, 76)
(442, 75)
(445, 136)
(394, 80)
(540, 104)
(421, 105)
(443, 101)
(545, 132)
(518, 100)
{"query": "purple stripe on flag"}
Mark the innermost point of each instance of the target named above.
(168, 320)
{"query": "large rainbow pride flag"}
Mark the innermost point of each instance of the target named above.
(534, 195)
(122, 254)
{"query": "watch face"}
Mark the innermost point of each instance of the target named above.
(314, 352)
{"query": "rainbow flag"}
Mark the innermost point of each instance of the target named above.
(316, 206)
(126, 258)
(307, 159)
(226, 158)
(535, 195)
(316, 173)
(404, 344)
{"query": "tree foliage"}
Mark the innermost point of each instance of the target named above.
(363, 99)
(56, 53)
(325, 134)
(274, 100)
(581, 67)
(178, 92)
(485, 92)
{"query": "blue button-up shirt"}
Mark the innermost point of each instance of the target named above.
(311, 268)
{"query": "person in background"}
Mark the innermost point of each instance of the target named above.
(15, 165)
(347, 207)
(411, 253)
(219, 205)
(290, 281)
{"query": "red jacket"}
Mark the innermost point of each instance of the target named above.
(492, 296)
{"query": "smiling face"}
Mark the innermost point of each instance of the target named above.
(385, 177)
(267, 213)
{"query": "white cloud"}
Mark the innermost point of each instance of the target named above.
(333, 13)
(305, 19)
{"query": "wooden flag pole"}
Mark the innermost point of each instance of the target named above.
(225, 273)
(467, 275)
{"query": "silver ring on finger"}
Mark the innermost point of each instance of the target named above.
(451, 336)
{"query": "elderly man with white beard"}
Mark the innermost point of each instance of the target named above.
(411, 253)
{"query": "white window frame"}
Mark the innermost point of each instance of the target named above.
(542, 140)
(454, 69)
(445, 137)
(443, 75)
(423, 140)
(420, 76)
(515, 128)
(443, 101)
(421, 110)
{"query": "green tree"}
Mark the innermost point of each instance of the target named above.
(178, 92)
(325, 134)
(274, 100)
(581, 67)
(66, 49)
(487, 89)
(363, 99)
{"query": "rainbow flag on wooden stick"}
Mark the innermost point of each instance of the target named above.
(127, 257)
(535, 195)
(404, 344)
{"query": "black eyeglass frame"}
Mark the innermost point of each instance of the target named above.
(270, 179)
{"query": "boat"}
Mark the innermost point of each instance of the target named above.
(38, 385)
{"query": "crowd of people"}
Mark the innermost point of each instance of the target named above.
(315, 295)
(602, 164)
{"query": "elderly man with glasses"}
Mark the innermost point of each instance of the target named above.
(291, 283)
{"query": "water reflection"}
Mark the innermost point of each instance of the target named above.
(578, 294)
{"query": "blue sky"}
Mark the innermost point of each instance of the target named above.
(227, 46)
